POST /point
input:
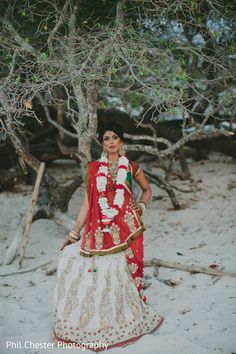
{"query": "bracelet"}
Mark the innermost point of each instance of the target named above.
(141, 201)
(75, 232)
(71, 236)
(142, 206)
(77, 227)
(70, 239)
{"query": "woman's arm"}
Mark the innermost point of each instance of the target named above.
(81, 219)
(146, 191)
(145, 186)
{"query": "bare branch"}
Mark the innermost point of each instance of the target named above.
(199, 134)
(18, 39)
(120, 15)
(55, 124)
(57, 25)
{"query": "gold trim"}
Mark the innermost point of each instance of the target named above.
(127, 187)
(138, 171)
(116, 248)
(139, 219)
(87, 178)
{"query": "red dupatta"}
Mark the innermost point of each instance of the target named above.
(126, 229)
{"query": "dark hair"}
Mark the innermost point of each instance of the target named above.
(112, 126)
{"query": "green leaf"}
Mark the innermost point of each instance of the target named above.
(103, 105)
(23, 14)
(44, 56)
(34, 78)
(17, 80)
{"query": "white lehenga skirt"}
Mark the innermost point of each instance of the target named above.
(95, 300)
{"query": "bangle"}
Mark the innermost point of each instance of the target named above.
(70, 239)
(142, 206)
(76, 228)
(141, 201)
(71, 236)
(75, 232)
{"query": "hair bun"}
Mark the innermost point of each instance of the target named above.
(112, 126)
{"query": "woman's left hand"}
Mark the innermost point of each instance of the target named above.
(136, 207)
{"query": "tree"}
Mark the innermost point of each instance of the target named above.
(164, 60)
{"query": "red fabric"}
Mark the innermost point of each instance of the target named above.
(135, 167)
(137, 249)
(94, 217)
(105, 243)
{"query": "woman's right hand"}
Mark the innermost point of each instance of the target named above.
(66, 243)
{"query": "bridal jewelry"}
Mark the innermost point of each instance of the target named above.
(113, 168)
(142, 206)
(110, 211)
(122, 150)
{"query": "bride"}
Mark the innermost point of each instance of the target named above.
(98, 298)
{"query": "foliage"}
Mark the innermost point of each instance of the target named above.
(146, 54)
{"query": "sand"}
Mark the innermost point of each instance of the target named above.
(200, 312)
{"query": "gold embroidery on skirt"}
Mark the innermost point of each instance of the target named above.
(129, 219)
(99, 238)
(133, 267)
(87, 307)
(87, 241)
(115, 233)
(72, 298)
(129, 252)
(133, 300)
(137, 281)
(119, 305)
(61, 281)
(105, 308)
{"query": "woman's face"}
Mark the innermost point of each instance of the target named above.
(111, 142)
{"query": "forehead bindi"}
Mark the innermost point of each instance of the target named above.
(109, 134)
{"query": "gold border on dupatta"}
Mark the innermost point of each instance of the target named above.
(87, 178)
(116, 248)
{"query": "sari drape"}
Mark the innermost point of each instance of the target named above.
(126, 229)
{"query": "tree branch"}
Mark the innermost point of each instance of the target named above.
(18, 39)
(199, 134)
(120, 15)
(57, 25)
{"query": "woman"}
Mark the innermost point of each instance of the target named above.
(99, 296)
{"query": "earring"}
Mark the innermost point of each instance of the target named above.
(122, 150)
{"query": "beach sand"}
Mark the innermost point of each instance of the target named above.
(200, 312)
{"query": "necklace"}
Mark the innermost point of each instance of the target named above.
(113, 168)
(110, 211)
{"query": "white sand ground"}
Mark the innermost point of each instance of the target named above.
(200, 313)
